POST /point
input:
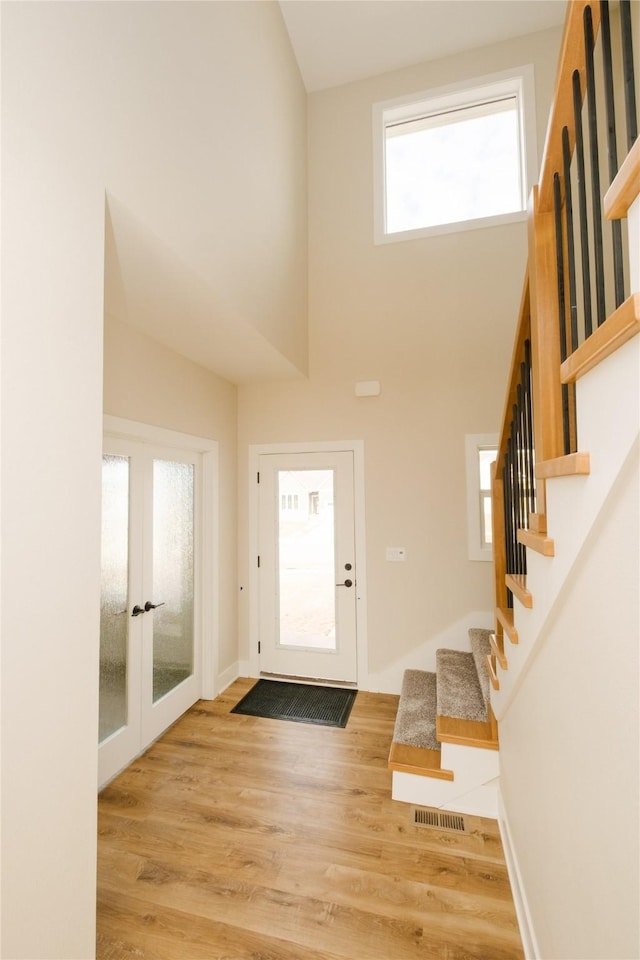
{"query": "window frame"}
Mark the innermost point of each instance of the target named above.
(518, 81)
(474, 443)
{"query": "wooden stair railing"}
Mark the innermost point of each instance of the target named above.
(514, 493)
(576, 307)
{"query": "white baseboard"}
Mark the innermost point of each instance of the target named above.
(525, 923)
(226, 678)
(244, 669)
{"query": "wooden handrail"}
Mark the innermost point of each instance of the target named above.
(622, 325)
(572, 58)
(555, 272)
(626, 186)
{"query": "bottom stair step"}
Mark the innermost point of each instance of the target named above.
(442, 719)
(417, 760)
(415, 748)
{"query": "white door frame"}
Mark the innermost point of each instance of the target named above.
(208, 578)
(357, 448)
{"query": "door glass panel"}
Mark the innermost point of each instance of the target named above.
(173, 501)
(306, 565)
(114, 619)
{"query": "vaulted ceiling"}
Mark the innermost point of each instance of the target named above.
(338, 41)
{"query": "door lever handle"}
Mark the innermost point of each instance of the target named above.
(347, 583)
(152, 606)
(136, 611)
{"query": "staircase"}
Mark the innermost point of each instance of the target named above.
(566, 536)
(445, 743)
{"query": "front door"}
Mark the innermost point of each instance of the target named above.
(150, 664)
(307, 575)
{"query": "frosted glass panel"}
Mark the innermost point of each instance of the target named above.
(173, 499)
(114, 619)
(306, 545)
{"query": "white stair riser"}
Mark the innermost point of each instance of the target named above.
(472, 790)
(470, 765)
(480, 799)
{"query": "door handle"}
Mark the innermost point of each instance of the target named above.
(347, 583)
(136, 611)
(152, 606)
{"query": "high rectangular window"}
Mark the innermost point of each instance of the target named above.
(454, 159)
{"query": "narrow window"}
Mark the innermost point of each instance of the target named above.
(486, 456)
(481, 452)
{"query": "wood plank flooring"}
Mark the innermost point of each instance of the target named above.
(240, 838)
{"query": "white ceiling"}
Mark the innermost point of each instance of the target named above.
(338, 41)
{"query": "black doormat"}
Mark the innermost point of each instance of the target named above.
(329, 706)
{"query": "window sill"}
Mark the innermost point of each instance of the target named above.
(462, 226)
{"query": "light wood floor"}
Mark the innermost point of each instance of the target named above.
(250, 839)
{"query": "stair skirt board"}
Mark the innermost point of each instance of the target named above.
(523, 912)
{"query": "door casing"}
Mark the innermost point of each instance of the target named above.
(357, 448)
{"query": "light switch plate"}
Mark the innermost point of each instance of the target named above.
(396, 554)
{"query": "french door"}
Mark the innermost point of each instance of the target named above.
(307, 575)
(150, 662)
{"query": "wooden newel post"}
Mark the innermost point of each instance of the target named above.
(545, 340)
(499, 542)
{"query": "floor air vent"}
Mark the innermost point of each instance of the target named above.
(438, 819)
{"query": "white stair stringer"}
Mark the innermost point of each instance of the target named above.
(608, 429)
(473, 790)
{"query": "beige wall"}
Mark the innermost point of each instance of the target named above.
(146, 382)
(433, 320)
(160, 106)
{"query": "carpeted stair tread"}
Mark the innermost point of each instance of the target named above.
(416, 717)
(481, 648)
(458, 688)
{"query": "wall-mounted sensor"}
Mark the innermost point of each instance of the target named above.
(368, 388)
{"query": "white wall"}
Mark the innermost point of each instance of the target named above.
(569, 749)
(203, 143)
(570, 712)
(434, 321)
(159, 105)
